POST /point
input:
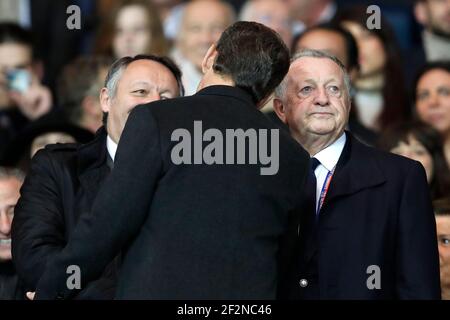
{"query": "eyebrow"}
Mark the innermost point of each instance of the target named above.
(140, 83)
(312, 81)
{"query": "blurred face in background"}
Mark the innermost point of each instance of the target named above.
(372, 57)
(49, 138)
(202, 24)
(12, 56)
(9, 195)
(306, 11)
(434, 15)
(132, 35)
(414, 150)
(143, 81)
(273, 14)
(324, 40)
(443, 234)
(433, 99)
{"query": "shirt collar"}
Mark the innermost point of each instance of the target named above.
(329, 156)
(112, 147)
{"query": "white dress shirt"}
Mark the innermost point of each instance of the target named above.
(328, 158)
(111, 146)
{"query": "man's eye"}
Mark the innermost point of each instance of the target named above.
(195, 29)
(306, 90)
(333, 89)
(420, 152)
(422, 95)
(444, 91)
(445, 241)
(10, 212)
(140, 91)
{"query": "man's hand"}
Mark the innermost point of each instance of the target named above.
(30, 295)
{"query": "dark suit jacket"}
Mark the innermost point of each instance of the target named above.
(192, 231)
(10, 288)
(377, 212)
(61, 185)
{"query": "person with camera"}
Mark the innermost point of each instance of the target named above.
(23, 98)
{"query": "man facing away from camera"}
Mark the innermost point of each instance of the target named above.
(64, 178)
(200, 228)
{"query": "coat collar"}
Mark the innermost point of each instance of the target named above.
(93, 154)
(93, 165)
(356, 169)
(230, 91)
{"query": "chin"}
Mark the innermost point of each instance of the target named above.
(5, 257)
(322, 130)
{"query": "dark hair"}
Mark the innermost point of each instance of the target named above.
(13, 33)
(442, 206)
(78, 80)
(351, 47)
(395, 108)
(254, 56)
(441, 65)
(107, 29)
(431, 139)
(116, 69)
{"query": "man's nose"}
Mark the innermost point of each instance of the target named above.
(407, 154)
(434, 100)
(321, 97)
(5, 224)
(154, 96)
(207, 36)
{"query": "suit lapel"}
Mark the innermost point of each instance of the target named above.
(92, 170)
(356, 170)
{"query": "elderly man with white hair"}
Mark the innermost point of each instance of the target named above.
(369, 230)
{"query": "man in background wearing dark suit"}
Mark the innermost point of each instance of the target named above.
(211, 229)
(368, 231)
(64, 178)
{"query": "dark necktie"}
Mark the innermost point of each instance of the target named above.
(311, 187)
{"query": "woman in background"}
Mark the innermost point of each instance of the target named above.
(380, 96)
(133, 28)
(421, 142)
(432, 99)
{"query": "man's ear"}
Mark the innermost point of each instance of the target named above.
(105, 100)
(280, 109)
(420, 12)
(210, 57)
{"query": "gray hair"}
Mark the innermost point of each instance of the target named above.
(280, 91)
(114, 75)
(8, 173)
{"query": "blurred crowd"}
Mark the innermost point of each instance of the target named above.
(51, 77)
